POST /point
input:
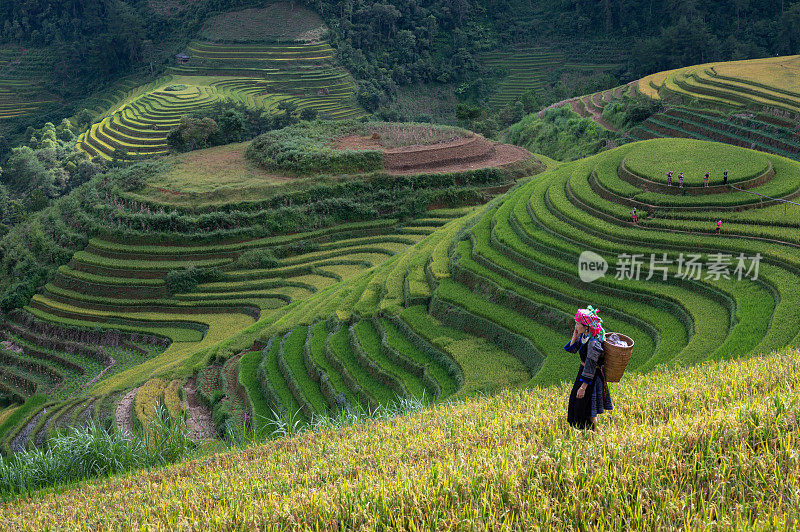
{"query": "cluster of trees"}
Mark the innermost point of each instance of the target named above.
(45, 167)
(386, 44)
(561, 134)
(228, 122)
(305, 149)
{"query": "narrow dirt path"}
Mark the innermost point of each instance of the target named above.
(124, 413)
(200, 424)
(598, 117)
(111, 364)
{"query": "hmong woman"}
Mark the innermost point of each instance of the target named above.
(590, 395)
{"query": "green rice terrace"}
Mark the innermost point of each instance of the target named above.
(164, 302)
(234, 328)
(21, 71)
(526, 70)
(260, 70)
(753, 104)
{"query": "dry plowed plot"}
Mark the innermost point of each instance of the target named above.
(455, 155)
(125, 412)
(199, 420)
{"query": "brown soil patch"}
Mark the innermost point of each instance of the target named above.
(124, 412)
(503, 155)
(199, 421)
(468, 153)
(358, 142)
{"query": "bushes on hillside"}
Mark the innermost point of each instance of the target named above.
(226, 122)
(182, 281)
(561, 134)
(193, 134)
(306, 148)
(626, 113)
(257, 259)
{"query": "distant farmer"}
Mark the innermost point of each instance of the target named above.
(719, 226)
(680, 180)
(669, 178)
(635, 216)
(725, 177)
(590, 395)
(705, 180)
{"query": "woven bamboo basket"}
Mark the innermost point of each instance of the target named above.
(616, 358)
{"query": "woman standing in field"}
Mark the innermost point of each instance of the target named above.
(590, 395)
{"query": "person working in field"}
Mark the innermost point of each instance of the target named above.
(590, 396)
(680, 180)
(635, 216)
(669, 178)
(725, 177)
(705, 180)
(719, 226)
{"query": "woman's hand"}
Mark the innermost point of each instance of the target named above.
(575, 332)
(581, 391)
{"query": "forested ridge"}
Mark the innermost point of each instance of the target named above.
(385, 43)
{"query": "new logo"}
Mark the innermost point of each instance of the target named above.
(591, 266)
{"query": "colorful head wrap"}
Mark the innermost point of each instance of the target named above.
(588, 316)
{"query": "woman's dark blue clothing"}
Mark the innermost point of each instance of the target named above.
(597, 398)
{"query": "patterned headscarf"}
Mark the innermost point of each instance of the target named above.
(588, 316)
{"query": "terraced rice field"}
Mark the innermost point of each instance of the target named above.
(257, 75)
(47, 368)
(122, 286)
(21, 71)
(769, 83)
(487, 300)
(459, 302)
(757, 131)
(592, 105)
(527, 70)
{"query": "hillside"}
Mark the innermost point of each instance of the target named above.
(21, 71)
(712, 446)
(303, 265)
(743, 103)
(446, 303)
(174, 275)
(251, 63)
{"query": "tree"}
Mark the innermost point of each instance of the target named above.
(193, 134)
(467, 113)
(24, 172)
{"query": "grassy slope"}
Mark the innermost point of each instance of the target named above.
(711, 445)
(212, 176)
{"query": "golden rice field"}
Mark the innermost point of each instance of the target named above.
(713, 446)
(770, 83)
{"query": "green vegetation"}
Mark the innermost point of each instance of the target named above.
(560, 133)
(733, 420)
(306, 149)
(337, 269)
(91, 452)
(651, 160)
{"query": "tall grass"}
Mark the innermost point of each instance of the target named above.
(283, 424)
(93, 451)
(710, 447)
